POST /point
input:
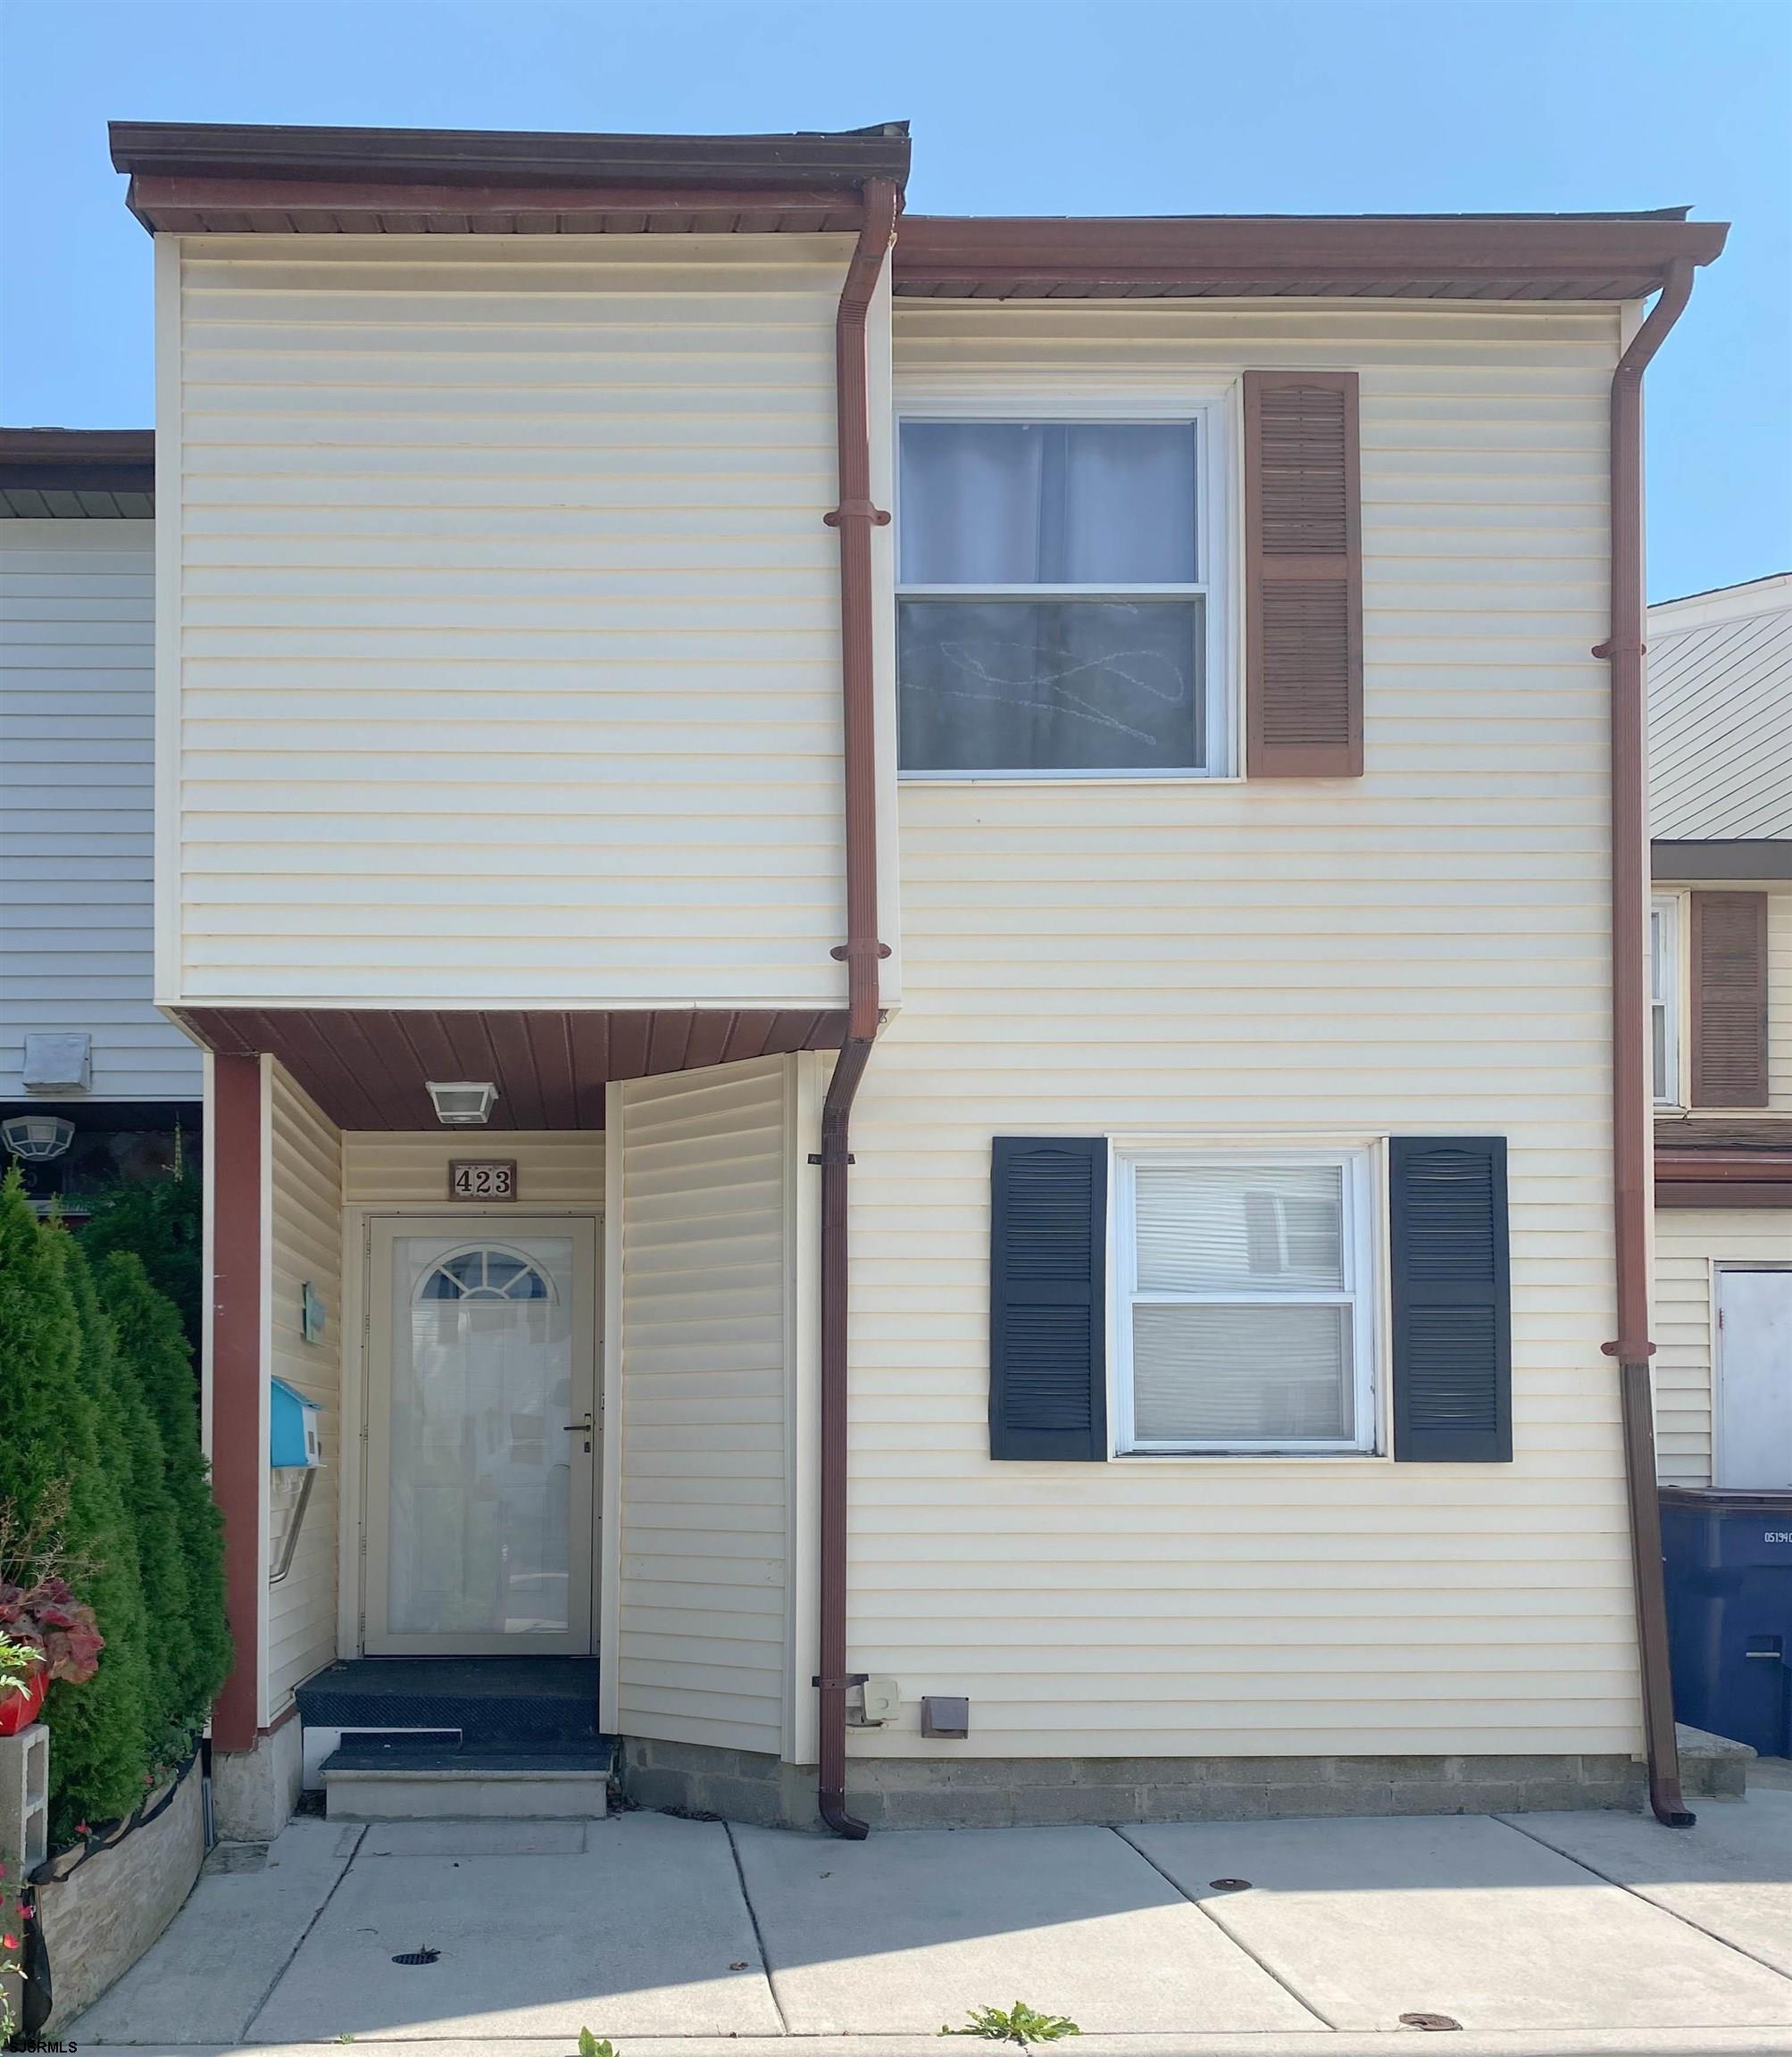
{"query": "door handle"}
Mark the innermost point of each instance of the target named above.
(583, 1429)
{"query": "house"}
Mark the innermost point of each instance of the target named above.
(1720, 805)
(921, 943)
(95, 1084)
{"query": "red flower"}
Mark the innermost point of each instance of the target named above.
(9, 1942)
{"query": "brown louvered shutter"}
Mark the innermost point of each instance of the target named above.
(1302, 577)
(1729, 999)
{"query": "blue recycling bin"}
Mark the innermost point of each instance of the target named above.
(1728, 1563)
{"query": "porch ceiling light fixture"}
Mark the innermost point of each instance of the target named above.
(463, 1103)
(35, 1138)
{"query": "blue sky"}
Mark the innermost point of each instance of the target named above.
(1166, 107)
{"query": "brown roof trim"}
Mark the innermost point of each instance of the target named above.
(1549, 257)
(233, 179)
(1673, 1166)
(1724, 1193)
(1684, 1134)
(816, 159)
(232, 206)
(98, 473)
(1749, 857)
(1705, 1161)
(229, 178)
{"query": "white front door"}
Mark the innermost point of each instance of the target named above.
(482, 1448)
(1753, 1403)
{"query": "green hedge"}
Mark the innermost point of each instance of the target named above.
(96, 1398)
(153, 1350)
(158, 1220)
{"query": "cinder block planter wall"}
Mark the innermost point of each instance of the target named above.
(102, 1913)
(24, 1833)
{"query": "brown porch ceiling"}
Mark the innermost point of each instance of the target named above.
(370, 1068)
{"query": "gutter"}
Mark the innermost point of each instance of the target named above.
(855, 518)
(822, 161)
(1630, 1112)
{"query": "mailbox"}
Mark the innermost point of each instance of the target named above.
(293, 1443)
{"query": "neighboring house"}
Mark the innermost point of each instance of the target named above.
(1720, 819)
(93, 1081)
(1182, 843)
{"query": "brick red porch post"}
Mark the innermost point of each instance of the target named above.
(237, 1460)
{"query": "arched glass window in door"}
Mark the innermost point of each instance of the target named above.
(485, 1274)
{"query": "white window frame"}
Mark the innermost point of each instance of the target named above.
(1362, 1244)
(1212, 414)
(1667, 930)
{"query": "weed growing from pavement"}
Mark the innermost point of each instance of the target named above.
(1020, 2024)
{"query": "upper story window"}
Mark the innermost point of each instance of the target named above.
(1665, 1026)
(1056, 602)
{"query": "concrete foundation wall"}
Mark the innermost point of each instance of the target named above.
(253, 1791)
(999, 1793)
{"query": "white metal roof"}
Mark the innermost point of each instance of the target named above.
(1719, 670)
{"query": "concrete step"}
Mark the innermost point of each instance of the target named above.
(491, 1702)
(1711, 1767)
(424, 1784)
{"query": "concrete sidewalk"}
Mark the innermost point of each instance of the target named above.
(1557, 1934)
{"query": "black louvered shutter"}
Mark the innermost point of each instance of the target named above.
(1451, 1267)
(1048, 1298)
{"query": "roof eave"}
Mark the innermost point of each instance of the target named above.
(61, 473)
(188, 177)
(1404, 257)
(186, 204)
(484, 157)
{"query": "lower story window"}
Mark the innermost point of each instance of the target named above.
(1051, 685)
(1245, 1302)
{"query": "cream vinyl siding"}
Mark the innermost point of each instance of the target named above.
(1423, 949)
(1689, 1241)
(305, 1171)
(507, 664)
(555, 1167)
(702, 1263)
(77, 703)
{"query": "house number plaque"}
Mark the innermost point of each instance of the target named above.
(482, 1179)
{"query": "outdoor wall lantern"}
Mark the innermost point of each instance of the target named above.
(464, 1103)
(35, 1138)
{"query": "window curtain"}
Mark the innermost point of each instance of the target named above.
(1050, 685)
(1053, 504)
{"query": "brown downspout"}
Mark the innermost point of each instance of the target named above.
(1630, 1142)
(856, 517)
